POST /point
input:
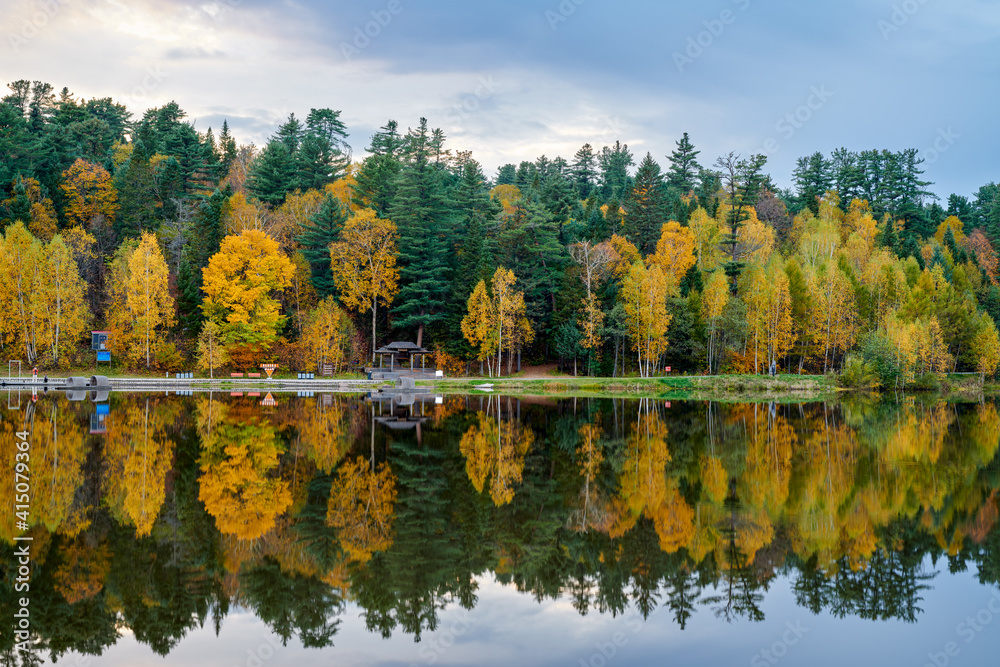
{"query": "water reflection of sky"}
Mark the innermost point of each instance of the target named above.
(511, 628)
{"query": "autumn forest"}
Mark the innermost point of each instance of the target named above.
(193, 250)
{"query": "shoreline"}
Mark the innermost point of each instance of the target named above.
(724, 388)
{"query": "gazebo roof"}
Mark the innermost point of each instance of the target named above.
(402, 348)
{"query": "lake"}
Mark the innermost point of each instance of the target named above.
(259, 530)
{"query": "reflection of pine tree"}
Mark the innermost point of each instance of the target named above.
(682, 591)
(741, 587)
(291, 604)
(410, 583)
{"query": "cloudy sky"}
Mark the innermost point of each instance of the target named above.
(514, 79)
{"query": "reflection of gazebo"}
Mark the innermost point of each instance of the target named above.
(401, 351)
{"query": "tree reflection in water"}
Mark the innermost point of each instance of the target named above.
(190, 507)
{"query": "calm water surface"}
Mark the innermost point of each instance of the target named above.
(240, 531)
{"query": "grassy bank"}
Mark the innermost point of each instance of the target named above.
(717, 387)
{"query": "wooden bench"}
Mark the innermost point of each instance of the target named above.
(236, 375)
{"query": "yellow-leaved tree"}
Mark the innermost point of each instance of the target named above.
(497, 322)
(149, 300)
(139, 301)
(714, 299)
(364, 265)
(986, 346)
(89, 194)
(594, 260)
(240, 284)
(645, 293)
(211, 348)
(327, 336)
(62, 299)
(20, 266)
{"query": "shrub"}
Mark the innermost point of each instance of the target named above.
(858, 374)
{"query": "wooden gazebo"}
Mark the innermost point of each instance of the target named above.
(401, 351)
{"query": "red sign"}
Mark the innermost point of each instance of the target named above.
(668, 369)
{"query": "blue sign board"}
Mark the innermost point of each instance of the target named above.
(102, 409)
(104, 355)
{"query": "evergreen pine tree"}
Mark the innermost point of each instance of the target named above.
(315, 238)
(682, 177)
(423, 215)
(377, 176)
(646, 210)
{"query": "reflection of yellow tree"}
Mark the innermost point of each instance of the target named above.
(138, 456)
(58, 451)
(238, 486)
(324, 431)
(642, 484)
(362, 508)
(82, 571)
(589, 456)
(674, 521)
(495, 449)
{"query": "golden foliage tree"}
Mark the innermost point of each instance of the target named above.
(211, 348)
(148, 303)
(497, 322)
(675, 251)
(240, 283)
(327, 336)
(594, 260)
(714, 299)
(66, 315)
(644, 292)
(986, 346)
(89, 193)
(364, 265)
(835, 317)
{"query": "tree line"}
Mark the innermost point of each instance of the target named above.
(192, 248)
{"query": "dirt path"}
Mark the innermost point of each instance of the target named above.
(539, 372)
